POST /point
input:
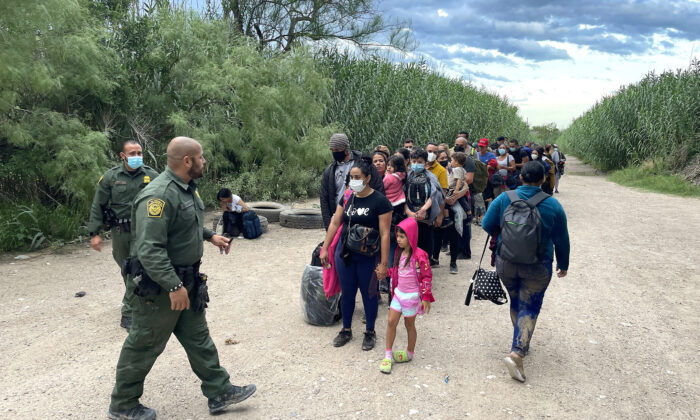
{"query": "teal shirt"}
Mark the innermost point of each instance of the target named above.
(167, 226)
(555, 234)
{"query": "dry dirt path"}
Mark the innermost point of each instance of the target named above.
(617, 338)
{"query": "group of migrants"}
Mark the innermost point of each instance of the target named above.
(387, 217)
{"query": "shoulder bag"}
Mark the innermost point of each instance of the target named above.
(360, 239)
(485, 285)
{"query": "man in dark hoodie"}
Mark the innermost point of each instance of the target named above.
(335, 175)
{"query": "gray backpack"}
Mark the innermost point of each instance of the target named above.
(521, 229)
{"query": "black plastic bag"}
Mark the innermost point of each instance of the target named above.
(315, 308)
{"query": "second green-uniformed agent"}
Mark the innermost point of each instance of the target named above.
(168, 228)
(115, 193)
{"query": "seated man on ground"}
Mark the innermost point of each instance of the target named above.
(232, 207)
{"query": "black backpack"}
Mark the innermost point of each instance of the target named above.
(521, 229)
(251, 225)
(417, 190)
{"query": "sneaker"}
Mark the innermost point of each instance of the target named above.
(139, 412)
(369, 340)
(125, 323)
(453, 269)
(444, 249)
(556, 191)
(233, 396)
(342, 338)
(434, 262)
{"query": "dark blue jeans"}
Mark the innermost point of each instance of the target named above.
(526, 284)
(357, 274)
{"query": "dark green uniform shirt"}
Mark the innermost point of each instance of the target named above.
(167, 227)
(116, 190)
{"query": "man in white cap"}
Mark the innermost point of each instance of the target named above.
(335, 176)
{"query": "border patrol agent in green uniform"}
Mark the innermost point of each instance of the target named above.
(171, 295)
(111, 207)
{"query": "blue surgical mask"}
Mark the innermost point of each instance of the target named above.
(417, 167)
(501, 152)
(512, 149)
(134, 162)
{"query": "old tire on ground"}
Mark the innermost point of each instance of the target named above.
(301, 219)
(264, 223)
(268, 209)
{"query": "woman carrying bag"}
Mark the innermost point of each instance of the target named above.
(362, 254)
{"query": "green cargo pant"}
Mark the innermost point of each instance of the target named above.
(121, 242)
(153, 322)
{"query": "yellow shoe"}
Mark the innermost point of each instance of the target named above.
(385, 367)
(401, 356)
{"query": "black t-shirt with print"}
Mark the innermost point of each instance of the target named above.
(366, 210)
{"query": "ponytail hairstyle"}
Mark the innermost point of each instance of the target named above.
(533, 173)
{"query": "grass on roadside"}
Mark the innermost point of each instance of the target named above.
(656, 180)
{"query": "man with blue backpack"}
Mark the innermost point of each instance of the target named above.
(531, 229)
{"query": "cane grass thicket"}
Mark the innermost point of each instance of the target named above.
(79, 78)
(655, 120)
(380, 102)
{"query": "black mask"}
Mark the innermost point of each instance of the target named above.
(339, 156)
(443, 163)
(459, 149)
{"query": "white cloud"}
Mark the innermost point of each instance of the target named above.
(442, 13)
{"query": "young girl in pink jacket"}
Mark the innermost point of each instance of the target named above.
(411, 280)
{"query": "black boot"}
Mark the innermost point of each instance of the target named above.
(233, 396)
(369, 340)
(139, 412)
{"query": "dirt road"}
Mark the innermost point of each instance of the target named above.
(618, 338)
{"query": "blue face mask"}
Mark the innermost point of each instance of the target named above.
(501, 152)
(417, 167)
(512, 149)
(134, 162)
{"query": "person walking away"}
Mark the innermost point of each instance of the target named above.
(539, 158)
(334, 176)
(531, 228)
(167, 219)
(559, 160)
(111, 207)
(441, 174)
(411, 287)
(232, 207)
(550, 170)
(366, 209)
(394, 182)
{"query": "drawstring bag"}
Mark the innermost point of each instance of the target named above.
(485, 285)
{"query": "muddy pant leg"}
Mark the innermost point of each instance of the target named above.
(121, 242)
(348, 287)
(529, 282)
(193, 333)
(153, 322)
(364, 268)
(508, 275)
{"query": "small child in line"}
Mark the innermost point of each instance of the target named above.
(411, 281)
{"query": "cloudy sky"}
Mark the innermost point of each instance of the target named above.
(553, 59)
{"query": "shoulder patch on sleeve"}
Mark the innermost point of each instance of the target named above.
(100, 180)
(155, 207)
(197, 193)
(146, 179)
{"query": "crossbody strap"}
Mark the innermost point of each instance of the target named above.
(484, 252)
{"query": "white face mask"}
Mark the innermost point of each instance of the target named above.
(431, 157)
(534, 157)
(357, 185)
